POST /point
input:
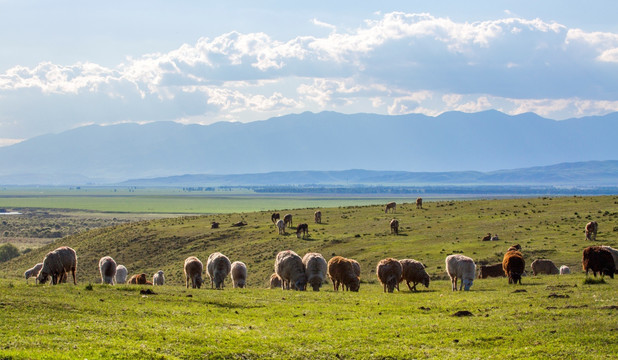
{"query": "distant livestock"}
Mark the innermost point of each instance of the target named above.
(291, 270)
(193, 271)
(342, 272)
(395, 226)
(275, 281)
(33, 271)
(389, 272)
(390, 206)
(598, 259)
(494, 270)
(419, 203)
(214, 225)
(288, 220)
(315, 269)
(239, 274)
(356, 267)
(544, 266)
(218, 267)
(158, 278)
(513, 265)
(302, 230)
(280, 226)
(591, 230)
(139, 279)
(121, 274)
(57, 264)
(614, 254)
(460, 267)
(413, 272)
(486, 237)
(515, 247)
(107, 268)
(495, 237)
(564, 270)
(274, 217)
(317, 217)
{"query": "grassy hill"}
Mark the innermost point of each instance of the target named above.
(545, 227)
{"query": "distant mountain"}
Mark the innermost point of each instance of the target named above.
(327, 141)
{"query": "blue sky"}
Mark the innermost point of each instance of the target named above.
(66, 64)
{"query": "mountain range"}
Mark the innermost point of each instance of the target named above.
(410, 148)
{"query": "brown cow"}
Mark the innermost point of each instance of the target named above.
(591, 230)
(419, 203)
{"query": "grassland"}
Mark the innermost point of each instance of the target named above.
(547, 317)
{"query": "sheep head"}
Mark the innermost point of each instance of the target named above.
(467, 283)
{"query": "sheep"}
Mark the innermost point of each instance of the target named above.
(57, 263)
(495, 237)
(357, 271)
(460, 267)
(107, 268)
(315, 269)
(389, 272)
(614, 253)
(515, 247)
(395, 226)
(121, 274)
(280, 224)
(291, 270)
(413, 271)
(419, 203)
(33, 271)
(302, 229)
(544, 266)
(139, 279)
(275, 281)
(158, 278)
(564, 270)
(288, 219)
(239, 274)
(218, 267)
(342, 272)
(390, 206)
(591, 230)
(598, 259)
(513, 265)
(193, 271)
(486, 237)
(214, 225)
(274, 217)
(317, 217)
(494, 270)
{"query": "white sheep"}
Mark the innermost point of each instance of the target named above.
(193, 271)
(414, 271)
(33, 271)
(57, 263)
(289, 267)
(158, 278)
(315, 269)
(460, 267)
(218, 267)
(107, 268)
(280, 224)
(239, 274)
(564, 270)
(121, 274)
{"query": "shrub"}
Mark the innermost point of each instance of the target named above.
(8, 251)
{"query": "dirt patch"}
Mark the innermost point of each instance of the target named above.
(462, 313)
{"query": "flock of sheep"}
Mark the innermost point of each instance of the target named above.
(294, 272)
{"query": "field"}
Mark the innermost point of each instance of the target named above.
(547, 316)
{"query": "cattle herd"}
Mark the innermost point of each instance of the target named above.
(293, 272)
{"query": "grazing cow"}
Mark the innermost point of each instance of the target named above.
(395, 226)
(317, 217)
(487, 237)
(302, 229)
(280, 226)
(591, 230)
(274, 217)
(390, 206)
(419, 203)
(288, 220)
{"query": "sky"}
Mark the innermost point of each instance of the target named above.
(66, 64)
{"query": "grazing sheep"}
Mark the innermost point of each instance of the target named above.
(598, 259)
(591, 230)
(495, 237)
(544, 266)
(614, 253)
(317, 217)
(486, 237)
(218, 267)
(158, 278)
(515, 247)
(193, 271)
(33, 271)
(121, 274)
(274, 217)
(389, 272)
(139, 279)
(460, 267)
(395, 226)
(239, 274)
(280, 226)
(494, 270)
(356, 267)
(275, 281)
(57, 263)
(564, 270)
(342, 272)
(302, 229)
(214, 225)
(288, 219)
(413, 271)
(419, 203)
(390, 206)
(107, 268)
(291, 270)
(513, 265)
(315, 269)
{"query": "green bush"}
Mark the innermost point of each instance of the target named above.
(8, 251)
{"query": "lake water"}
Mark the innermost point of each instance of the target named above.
(10, 213)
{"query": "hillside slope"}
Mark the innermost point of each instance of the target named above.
(545, 227)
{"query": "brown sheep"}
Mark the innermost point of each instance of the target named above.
(544, 266)
(413, 271)
(139, 279)
(275, 281)
(486, 237)
(494, 270)
(214, 225)
(419, 203)
(287, 219)
(389, 272)
(390, 206)
(515, 247)
(317, 217)
(591, 230)
(341, 272)
(274, 217)
(513, 265)
(57, 264)
(193, 271)
(302, 229)
(395, 226)
(598, 259)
